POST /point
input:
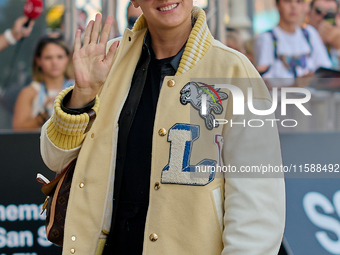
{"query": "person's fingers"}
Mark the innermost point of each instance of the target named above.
(87, 35)
(17, 27)
(106, 30)
(326, 31)
(321, 31)
(30, 25)
(77, 41)
(23, 19)
(20, 21)
(321, 26)
(112, 52)
(27, 31)
(327, 27)
(96, 29)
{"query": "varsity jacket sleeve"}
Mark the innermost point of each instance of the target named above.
(254, 204)
(62, 135)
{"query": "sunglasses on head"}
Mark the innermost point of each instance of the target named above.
(320, 11)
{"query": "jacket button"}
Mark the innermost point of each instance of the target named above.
(162, 132)
(153, 237)
(72, 251)
(171, 83)
(81, 185)
(92, 135)
(73, 238)
(157, 186)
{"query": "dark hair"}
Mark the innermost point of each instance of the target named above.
(36, 70)
(313, 1)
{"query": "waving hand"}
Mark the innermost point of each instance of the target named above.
(91, 63)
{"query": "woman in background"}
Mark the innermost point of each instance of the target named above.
(51, 74)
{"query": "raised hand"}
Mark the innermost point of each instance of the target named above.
(91, 63)
(19, 30)
(330, 34)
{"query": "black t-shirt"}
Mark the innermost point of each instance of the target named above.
(133, 198)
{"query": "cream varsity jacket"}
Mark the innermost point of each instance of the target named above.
(190, 211)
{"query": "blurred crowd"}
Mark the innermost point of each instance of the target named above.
(304, 44)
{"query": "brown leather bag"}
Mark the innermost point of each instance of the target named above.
(57, 192)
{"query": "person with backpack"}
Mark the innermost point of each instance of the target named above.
(289, 50)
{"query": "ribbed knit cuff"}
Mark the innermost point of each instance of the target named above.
(66, 131)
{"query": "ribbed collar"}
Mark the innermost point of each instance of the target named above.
(198, 43)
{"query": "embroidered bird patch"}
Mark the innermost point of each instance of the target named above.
(205, 99)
